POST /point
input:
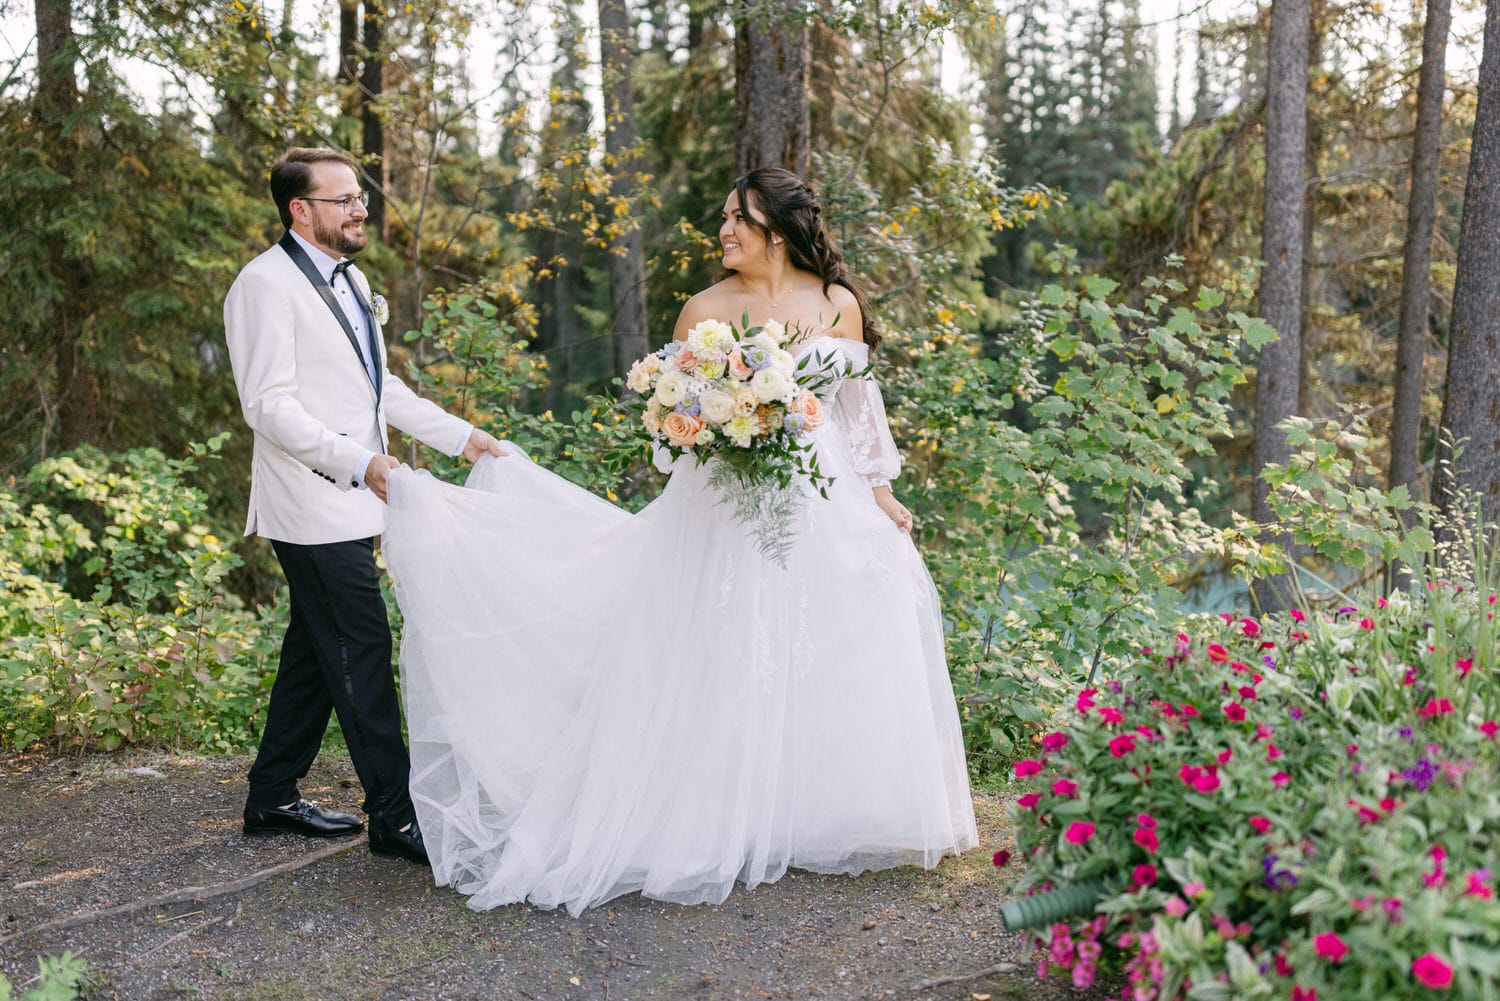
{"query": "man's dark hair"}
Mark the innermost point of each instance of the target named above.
(291, 175)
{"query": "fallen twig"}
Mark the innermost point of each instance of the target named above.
(929, 984)
(188, 894)
(180, 936)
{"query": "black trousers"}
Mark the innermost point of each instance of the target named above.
(336, 657)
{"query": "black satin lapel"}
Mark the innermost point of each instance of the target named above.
(309, 271)
(373, 328)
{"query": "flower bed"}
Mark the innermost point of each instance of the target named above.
(1301, 808)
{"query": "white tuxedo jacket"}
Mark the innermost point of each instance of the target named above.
(306, 395)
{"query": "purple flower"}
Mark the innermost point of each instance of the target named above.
(793, 423)
(1278, 879)
(689, 406)
(1405, 732)
(1295, 713)
(1421, 775)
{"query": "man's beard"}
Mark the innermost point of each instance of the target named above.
(340, 239)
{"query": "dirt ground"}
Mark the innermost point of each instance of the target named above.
(84, 835)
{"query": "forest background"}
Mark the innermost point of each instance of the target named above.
(1061, 238)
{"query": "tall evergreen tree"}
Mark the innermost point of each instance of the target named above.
(771, 59)
(1278, 371)
(627, 261)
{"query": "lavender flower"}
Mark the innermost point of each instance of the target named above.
(1422, 775)
(1278, 879)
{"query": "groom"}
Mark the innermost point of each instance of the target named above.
(309, 362)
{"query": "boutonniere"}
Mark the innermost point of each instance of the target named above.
(380, 310)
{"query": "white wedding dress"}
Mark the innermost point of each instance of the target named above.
(600, 703)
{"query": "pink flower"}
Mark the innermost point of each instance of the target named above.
(1079, 832)
(1297, 615)
(1208, 781)
(1465, 666)
(1477, 885)
(1189, 774)
(1217, 654)
(1122, 745)
(1146, 820)
(1193, 889)
(1001, 858)
(1189, 710)
(1176, 907)
(1432, 971)
(1029, 801)
(1436, 707)
(1283, 968)
(1225, 755)
(1489, 728)
(1028, 768)
(1064, 787)
(1330, 946)
(1054, 741)
(1261, 824)
(1272, 751)
(1367, 623)
(1111, 715)
(1144, 874)
(1086, 699)
(1280, 779)
(1300, 993)
(1146, 838)
(1234, 711)
(1249, 627)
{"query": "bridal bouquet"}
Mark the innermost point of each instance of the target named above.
(738, 396)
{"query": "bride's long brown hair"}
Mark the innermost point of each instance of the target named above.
(793, 212)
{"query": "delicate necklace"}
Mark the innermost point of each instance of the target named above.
(762, 298)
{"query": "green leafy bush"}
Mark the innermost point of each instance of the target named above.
(59, 978)
(115, 622)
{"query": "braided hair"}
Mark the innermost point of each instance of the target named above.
(793, 212)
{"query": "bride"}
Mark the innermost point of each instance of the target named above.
(601, 703)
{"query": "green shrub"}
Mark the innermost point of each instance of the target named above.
(59, 978)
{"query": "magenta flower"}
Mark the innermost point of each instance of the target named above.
(1367, 623)
(1064, 787)
(1189, 774)
(1122, 745)
(1111, 715)
(1146, 820)
(1300, 993)
(1054, 742)
(1284, 968)
(1144, 874)
(1297, 615)
(1465, 666)
(1330, 946)
(1430, 969)
(1489, 728)
(1086, 699)
(1176, 907)
(1234, 711)
(1249, 627)
(1436, 707)
(1028, 768)
(1029, 801)
(1001, 858)
(1272, 751)
(1079, 832)
(1146, 838)
(1189, 710)
(1208, 781)
(1280, 779)
(1261, 824)
(1478, 885)
(1217, 654)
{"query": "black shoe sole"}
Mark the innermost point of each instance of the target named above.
(398, 853)
(267, 832)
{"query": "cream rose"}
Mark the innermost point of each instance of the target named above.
(768, 384)
(737, 366)
(716, 407)
(671, 388)
(745, 403)
(741, 429)
(681, 429)
(639, 380)
(652, 421)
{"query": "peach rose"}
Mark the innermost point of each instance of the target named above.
(737, 366)
(686, 360)
(681, 429)
(745, 403)
(811, 409)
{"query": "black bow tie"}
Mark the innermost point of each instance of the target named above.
(340, 268)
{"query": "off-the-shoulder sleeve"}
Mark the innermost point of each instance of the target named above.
(861, 409)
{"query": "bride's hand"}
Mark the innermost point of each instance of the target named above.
(893, 508)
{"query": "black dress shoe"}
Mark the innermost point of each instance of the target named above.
(405, 844)
(302, 818)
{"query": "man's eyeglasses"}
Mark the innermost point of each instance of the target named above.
(346, 203)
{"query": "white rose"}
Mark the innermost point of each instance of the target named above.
(764, 340)
(711, 339)
(671, 388)
(768, 384)
(717, 407)
(775, 330)
(783, 361)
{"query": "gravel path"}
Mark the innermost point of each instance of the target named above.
(87, 834)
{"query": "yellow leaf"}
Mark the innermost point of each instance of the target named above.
(1166, 403)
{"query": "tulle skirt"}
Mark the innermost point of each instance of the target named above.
(601, 703)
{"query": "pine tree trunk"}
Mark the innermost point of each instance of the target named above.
(78, 393)
(627, 258)
(1416, 256)
(1277, 376)
(1471, 401)
(372, 85)
(772, 126)
(348, 56)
